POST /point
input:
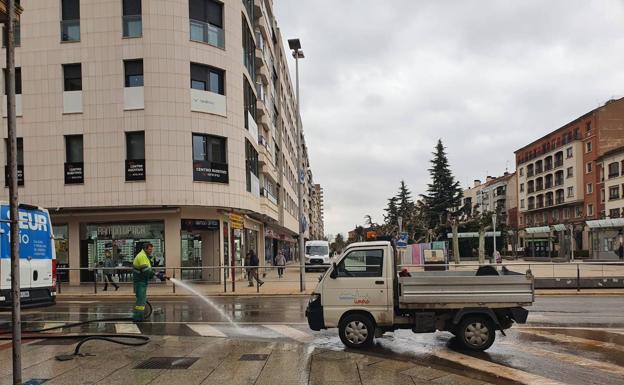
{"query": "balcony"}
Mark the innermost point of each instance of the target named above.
(207, 33)
(549, 202)
(558, 163)
(530, 190)
(613, 175)
(548, 185)
(530, 173)
(559, 201)
(531, 206)
(559, 182)
(70, 30)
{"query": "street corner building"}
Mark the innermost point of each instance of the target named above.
(570, 186)
(169, 122)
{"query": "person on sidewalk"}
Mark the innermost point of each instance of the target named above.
(254, 262)
(108, 271)
(142, 272)
(280, 262)
(247, 264)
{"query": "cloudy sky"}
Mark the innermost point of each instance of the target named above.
(383, 80)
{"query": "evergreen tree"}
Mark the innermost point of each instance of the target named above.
(406, 204)
(443, 193)
(392, 212)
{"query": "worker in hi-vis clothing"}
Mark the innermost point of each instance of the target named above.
(142, 273)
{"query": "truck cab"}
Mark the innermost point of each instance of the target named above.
(362, 295)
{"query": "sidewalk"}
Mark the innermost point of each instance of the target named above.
(213, 361)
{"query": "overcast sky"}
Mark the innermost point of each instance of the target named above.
(383, 80)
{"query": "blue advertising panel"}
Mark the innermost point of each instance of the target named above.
(402, 240)
(35, 234)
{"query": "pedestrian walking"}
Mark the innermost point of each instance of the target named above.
(108, 271)
(280, 262)
(254, 262)
(247, 263)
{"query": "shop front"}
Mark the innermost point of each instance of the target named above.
(120, 241)
(200, 250)
(61, 244)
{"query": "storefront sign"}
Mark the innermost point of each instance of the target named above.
(119, 231)
(204, 171)
(74, 173)
(237, 221)
(200, 224)
(209, 102)
(135, 169)
(20, 175)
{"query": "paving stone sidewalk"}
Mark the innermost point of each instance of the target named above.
(221, 361)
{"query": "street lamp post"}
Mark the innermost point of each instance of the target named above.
(494, 236)
(295, 46)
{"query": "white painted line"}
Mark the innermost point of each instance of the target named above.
(495, 369)
(53, 325)
(573, 359)
(291, 332)
(206, 330)
(127, 328)
(572, 339)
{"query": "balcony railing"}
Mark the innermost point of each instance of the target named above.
(614, 175)
(548, 185)
(207, 33)
(549, 203)
(530, 190)
(132, 26)
(531, 206)
(558, 181)
(530, 173)
(558, 163)
(70, 30)
(540, 205)
(559, 200)
(538, 170)
(539, 187)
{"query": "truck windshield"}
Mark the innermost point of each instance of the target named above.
(317, 250)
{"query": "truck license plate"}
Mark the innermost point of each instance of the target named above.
(25, 294)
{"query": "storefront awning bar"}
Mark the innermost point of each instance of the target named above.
(537, 230)
(606, 223)
(488, 234)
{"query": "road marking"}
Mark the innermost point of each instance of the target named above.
(206, 330)
(572, 359)
(291, 332)
(127, 328)
(506, 372)
(572, 339)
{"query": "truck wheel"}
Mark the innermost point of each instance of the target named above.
(476, 333)
(356, 331)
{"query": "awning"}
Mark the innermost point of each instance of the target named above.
(606, 223)
(536, 230)
(488, 234)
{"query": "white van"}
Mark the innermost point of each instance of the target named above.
(37, 257)
(317, 255)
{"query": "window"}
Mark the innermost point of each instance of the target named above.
(570, 172)
(614, 170)
(555, 215)
(16, 35)
(578, 212)
(588, 146)
(73, 149)
(131, 19)
(250, 102)
(588, 167)
(590, 188)
(521, 171)
(249, 51)
(590, 210)
(588, 128)
(521, 203)
(135, 145)
(135, 156)
(209, 148)
(20, 162)
(361, 263)
(133, 73)
(18, 81)
(570, 192)
(614, 192)
(251, 157)
(569, 152)
(206, 22)
(70, 20)
(207, 78)
(614, 213)
(72, 75)
(566, 213)
(521, 187)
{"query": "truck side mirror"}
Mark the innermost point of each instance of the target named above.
(334, 272)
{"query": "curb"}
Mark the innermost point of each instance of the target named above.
(69, 297)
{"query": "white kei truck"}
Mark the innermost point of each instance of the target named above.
(363, 296)
(37, 257)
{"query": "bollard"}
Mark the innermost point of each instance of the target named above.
(173, 283)
(58, 284)
(95, 281)
(225, 279)
(578, 278)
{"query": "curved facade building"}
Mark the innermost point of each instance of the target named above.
(171, 122)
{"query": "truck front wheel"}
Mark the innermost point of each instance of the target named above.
(356, 331)
(476, 332)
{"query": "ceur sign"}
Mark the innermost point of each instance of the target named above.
(34, 234)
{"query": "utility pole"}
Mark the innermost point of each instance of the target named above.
(13, 198)
(295, 46)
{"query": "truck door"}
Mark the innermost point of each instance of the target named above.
(360, 283)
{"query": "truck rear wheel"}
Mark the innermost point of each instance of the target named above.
(476, 332)
(356, 331)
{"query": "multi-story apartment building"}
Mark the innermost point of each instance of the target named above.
(163, 121)
(497, 194)
(611, 164)
(316, 219)
(559, 177)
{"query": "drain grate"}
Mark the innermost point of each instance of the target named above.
(167, 363)
(253, 357)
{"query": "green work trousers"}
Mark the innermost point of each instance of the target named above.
(140, 291)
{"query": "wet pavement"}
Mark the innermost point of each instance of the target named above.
(568, 340)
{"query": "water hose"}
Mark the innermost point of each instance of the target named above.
(121, 339)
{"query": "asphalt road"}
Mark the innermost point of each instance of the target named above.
(568, 339)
